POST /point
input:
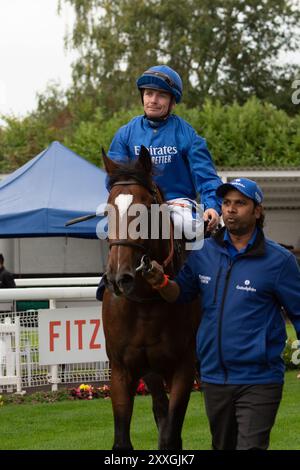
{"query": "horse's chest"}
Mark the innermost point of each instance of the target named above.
(144, 332)
(138, 334)
(142, 337)
(147, 349)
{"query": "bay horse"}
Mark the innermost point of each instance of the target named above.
(146, 337)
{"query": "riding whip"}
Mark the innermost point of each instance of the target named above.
(80, 219)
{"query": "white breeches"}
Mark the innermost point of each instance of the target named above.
(187, 217)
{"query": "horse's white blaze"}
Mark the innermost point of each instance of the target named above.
(123, 202)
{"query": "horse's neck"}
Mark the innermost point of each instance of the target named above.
(180, 254)
(163, 247)
(160, 250)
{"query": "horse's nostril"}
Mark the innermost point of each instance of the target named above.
(109, 283)
(126, 283)
(104, 279)
(125, 279)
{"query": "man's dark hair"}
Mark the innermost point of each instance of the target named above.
(1, 258)
(261, 220)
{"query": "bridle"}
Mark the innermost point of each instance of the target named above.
(139, 246)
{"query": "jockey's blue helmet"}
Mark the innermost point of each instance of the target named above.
(162, 77)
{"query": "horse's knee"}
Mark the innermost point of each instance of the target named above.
(160, 404)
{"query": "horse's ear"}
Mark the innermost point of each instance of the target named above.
(109, 164)
(144, 161)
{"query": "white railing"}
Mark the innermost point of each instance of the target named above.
(19, 351)
(58, 281)
(42, 293)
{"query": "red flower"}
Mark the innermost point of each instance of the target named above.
(141, 389)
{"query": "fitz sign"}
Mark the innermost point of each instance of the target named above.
(71, 335)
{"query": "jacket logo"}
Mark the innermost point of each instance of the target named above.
(204, 279)
(246, 286)
(159, 154)
(157, 151)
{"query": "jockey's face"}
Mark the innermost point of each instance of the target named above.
(157, 103)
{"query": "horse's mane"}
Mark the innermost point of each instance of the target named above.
(129, 171)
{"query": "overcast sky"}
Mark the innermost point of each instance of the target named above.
(31, 51)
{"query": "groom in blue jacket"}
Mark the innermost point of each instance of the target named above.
(244, 280)
(183, 166)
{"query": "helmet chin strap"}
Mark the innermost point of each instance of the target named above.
(157, 119)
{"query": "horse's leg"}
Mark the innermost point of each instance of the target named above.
(122, 396)
(170, 435)
(160, 401)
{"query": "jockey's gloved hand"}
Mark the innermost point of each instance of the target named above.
(155, 276)
(212, 217)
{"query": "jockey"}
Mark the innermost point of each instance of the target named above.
(183, 164)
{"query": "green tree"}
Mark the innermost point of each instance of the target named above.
(97, 132)
(3, 163)
(226, 49)
(21, 140)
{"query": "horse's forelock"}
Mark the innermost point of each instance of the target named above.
(130, 172)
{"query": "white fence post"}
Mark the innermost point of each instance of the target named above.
(8, 352)
(27, 355)
(18, 355)
(2, 354)
(54, 380)
(10, 373)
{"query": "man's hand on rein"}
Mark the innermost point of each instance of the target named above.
(155, 276)
(169, 290)
(212, 218)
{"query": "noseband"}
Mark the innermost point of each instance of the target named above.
(153, 191)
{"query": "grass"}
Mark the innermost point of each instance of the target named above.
(88, 425)
(286, 432)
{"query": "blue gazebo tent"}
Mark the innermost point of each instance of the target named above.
(52, 188)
